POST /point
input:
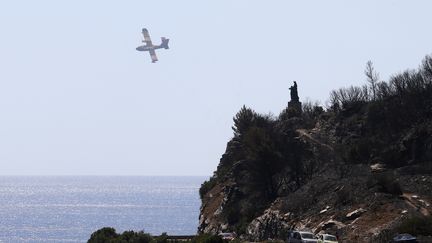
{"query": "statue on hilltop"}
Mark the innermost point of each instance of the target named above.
(294, 105)
(294, 93)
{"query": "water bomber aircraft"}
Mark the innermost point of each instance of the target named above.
(150, 47)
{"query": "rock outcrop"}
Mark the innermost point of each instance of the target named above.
(356, 170)
(270, 225)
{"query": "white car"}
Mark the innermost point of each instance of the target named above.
(227, 236)
(326, 238)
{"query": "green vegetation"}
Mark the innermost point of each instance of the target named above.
(109, 235)
(381, 113)
(387, 183)
(263, 155)
(206, 186)
(207, 238)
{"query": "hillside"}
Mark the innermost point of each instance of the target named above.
(361, 169)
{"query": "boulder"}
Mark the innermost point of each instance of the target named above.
(356, 213)
(378, 167)
(325, 209)
(330, 224)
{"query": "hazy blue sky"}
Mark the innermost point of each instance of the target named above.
(77, 98)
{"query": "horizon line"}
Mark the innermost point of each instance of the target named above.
(101, 175)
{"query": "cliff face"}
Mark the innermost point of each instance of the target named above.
(356, 170)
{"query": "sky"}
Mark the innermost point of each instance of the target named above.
(76, 98)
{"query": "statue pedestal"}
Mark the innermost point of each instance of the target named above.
(296, 106)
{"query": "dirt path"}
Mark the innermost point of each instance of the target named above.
(304, 133)
(418, 203)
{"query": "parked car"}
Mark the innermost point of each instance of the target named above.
(301, 237)
(404, 238)
(327, 238)
(227, 236)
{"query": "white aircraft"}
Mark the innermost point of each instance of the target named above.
(150, 47)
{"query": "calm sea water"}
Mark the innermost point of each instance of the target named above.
(69, 208)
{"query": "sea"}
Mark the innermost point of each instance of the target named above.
(70, 208)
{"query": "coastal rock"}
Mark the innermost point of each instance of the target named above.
(342, 170)
(270, 225)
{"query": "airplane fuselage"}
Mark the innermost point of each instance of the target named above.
(147, 48)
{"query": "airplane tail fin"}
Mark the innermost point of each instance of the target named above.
(164, 43)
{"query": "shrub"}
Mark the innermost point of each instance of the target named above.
(109, 235)
(311, 112)
(105, 234)
(296, 202)
(207, 238)
(134, 237)
(350, 97)
(358, 152)
(243, 120)
(344, 195)
(419, 225)
(163, 238)
(206, 186)
(407, 91)
(388, 184)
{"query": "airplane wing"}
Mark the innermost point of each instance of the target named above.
(147, 39)
(153, 55)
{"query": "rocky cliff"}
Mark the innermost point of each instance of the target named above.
(359, 169)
